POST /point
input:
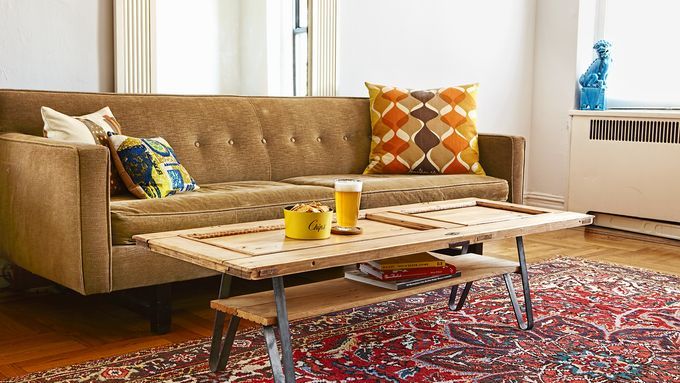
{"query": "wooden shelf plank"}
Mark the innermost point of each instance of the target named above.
(339, 294)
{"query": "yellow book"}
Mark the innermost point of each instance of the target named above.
(412, 261)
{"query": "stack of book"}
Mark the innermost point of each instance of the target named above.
(403, 272)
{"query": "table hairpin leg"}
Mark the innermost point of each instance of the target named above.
(463, 296)
(525, 290)
(220, 350)
(284, 332)
(464, 248)
(273, 351)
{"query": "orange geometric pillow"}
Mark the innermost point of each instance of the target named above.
(424, 131)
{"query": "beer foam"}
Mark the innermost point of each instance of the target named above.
(348, 185)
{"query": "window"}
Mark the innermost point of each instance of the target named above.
(300, 48)
(645, 55)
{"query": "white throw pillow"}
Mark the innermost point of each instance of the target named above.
(93, 128)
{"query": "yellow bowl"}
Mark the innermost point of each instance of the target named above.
(305, 225)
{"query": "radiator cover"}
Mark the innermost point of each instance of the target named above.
(626, 163)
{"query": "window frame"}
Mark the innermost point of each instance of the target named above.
(298, 30)
(623, 104)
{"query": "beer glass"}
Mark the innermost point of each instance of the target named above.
(347, 200)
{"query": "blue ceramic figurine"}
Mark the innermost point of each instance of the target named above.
(594, 80)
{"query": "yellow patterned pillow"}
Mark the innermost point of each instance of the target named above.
(423, 131)
(149, 167)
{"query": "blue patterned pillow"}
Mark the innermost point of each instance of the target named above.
(149, 167)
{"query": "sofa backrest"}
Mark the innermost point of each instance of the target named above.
(222, 138)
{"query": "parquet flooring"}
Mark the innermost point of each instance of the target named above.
(57, 328)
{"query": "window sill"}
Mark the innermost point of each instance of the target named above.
(630, 113)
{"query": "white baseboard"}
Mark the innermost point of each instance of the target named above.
(549, 201)
(639, 225)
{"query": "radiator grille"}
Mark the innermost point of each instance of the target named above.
(658, 131)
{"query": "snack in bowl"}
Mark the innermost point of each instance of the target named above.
(308, 221)
(312, 207)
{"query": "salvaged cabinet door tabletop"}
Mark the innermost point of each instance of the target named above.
(259, 250)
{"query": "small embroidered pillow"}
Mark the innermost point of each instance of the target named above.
(149, 167)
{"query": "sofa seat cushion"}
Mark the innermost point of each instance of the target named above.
(396, 189)
(212, 204)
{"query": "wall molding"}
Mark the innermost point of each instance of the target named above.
(322, 47)
(545, 200)
(135, 46)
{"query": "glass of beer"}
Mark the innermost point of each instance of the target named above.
(347, 200)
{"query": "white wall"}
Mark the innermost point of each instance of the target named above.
(56, 45)
(429, 44)
(556, 66)
(525, 54)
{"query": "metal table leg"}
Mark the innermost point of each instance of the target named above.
(219, 352)
(226, 345)
(463, 296)
(274, 358)
(464, 248)
(284, 329)
(525, 290)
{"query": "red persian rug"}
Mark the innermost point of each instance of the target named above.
(595, 322)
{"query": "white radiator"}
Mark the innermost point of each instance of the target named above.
(625, 168)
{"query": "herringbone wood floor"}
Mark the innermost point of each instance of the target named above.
(42, 331)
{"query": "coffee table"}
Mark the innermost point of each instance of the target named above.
(260, 250)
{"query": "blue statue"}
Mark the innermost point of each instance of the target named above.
(594, 80)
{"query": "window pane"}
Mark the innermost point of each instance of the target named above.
(645, 53)
(301, 64)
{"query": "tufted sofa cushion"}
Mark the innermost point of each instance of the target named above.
(212, 204)
(231, 202)
(397, 189)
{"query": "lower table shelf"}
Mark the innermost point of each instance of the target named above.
(340, 294)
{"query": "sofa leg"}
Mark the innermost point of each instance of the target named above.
(19, 279)
(160, 309)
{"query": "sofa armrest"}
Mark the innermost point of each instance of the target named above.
(502, 156)
(54, 210)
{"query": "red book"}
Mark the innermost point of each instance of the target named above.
(395, 275)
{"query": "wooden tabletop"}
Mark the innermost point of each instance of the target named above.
(259, 250)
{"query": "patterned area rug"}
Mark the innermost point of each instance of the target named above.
(595, 322)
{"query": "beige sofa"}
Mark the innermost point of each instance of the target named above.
(250, 155)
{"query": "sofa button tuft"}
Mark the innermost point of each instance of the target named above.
(345, 138)
(292, 139)
(318, 139)
(197, 144)
(264, 141)
(230, 142)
